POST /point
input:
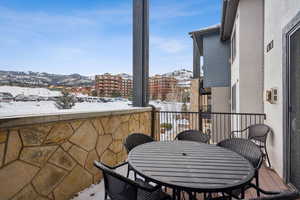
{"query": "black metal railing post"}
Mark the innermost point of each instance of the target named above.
(153, 121)
(200, 122)
(218, 124)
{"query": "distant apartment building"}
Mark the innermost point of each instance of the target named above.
(162, 87)
(126, 87)
(108, 85)
(183, 91)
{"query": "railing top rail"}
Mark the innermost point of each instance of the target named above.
(220, 113)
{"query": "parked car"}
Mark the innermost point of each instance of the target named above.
(52, 98)
(33, 98)
(103, 100)
(21, 97)
(6, 97)
(43, 98)
(80, 99)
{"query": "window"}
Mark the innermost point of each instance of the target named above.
(233, 98)
(233, 47)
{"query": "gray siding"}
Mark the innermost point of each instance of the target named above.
(216, 66)
(196, 60)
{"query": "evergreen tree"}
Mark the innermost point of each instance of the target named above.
(184, 107)
(66, 101)
(116, 94)
(130, 96)
(94, 93)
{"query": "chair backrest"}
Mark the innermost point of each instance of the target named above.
(259, 132)
(193, 135)
(117, 186)
(245, 148)
(136, 139)
(287, 195)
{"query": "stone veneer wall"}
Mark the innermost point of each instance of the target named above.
(54, 161)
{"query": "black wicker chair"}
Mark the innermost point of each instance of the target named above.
(284, 195)
(118, 187)
(193, 135)
(248, 150)
(134, 140)
(257, 133)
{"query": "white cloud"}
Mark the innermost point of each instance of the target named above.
(163, 10)
(41, 21)
(168, 45)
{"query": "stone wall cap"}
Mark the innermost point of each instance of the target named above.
(24, 120)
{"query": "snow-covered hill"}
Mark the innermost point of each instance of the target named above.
(42, 92)
(125, 76)
(180, 75)
(37, 79)
(43, 79)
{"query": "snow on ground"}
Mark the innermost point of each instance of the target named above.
(9, 109)
(42, 92)
(167, 106)
(96, 192)
(48, 107)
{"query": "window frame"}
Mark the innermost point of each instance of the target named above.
(233, 98)
(233, 46)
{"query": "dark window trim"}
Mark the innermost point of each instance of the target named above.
(293, 25)
(233, 98)
(233, 46)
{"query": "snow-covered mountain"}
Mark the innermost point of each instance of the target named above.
(181, 75)
(125, 76)
(43, 79)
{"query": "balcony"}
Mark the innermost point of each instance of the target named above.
(57, 151)
(51, 156)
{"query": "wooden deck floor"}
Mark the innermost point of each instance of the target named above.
(269, 180)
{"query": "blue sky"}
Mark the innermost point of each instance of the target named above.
(95, 36)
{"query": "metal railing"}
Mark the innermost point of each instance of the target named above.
(219, 125)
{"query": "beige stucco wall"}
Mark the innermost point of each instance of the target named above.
(247, 68)
(220, 99)
(277, 15)
(54, 160)
(195, 95)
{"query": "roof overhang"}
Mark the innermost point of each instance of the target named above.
(199, 34)
(228, 18)
(207, 30)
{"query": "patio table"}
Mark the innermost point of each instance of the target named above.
(191, 166)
